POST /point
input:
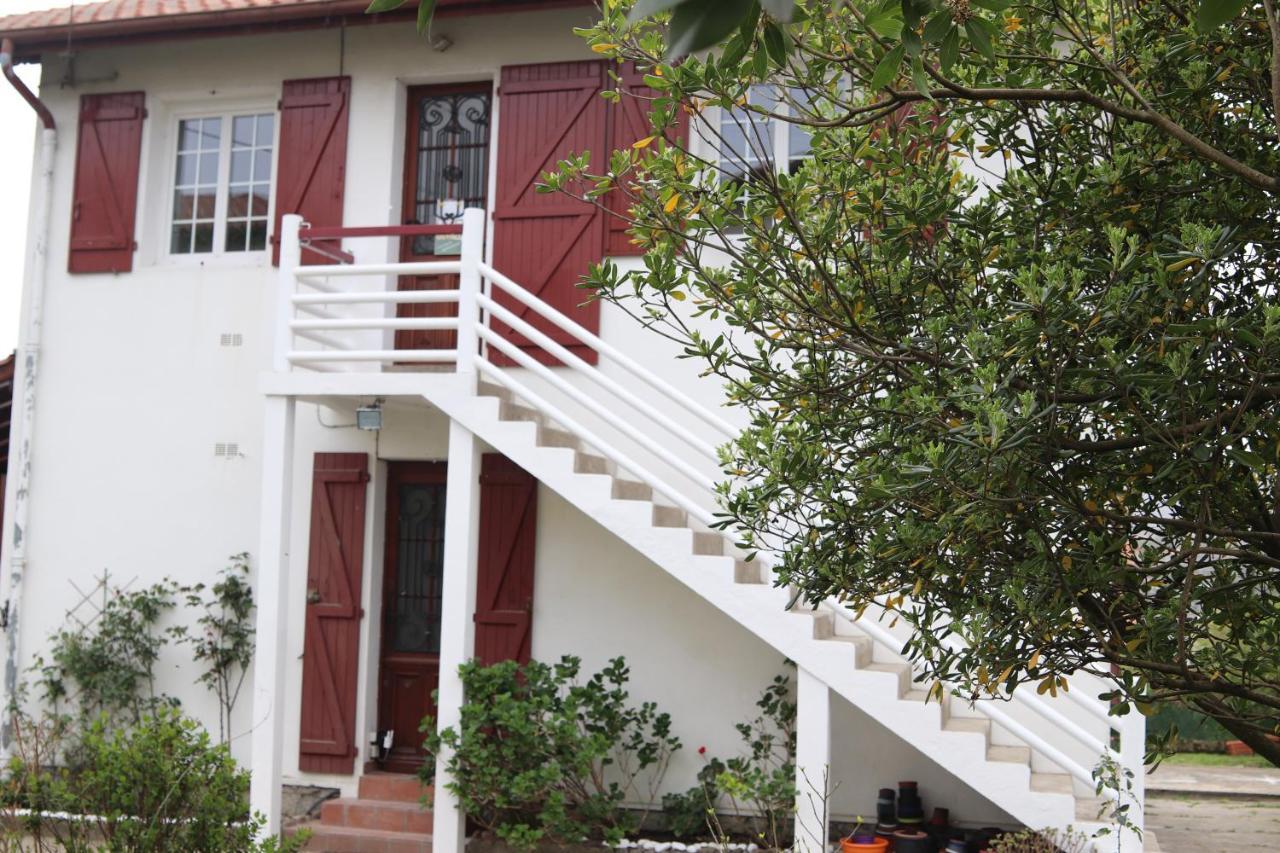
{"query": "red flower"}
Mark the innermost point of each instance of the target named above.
(702, 750)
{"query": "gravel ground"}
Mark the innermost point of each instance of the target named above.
(1191, 824)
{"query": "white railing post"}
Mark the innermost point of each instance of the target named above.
(457, 629)
(813, 763)
(286, 284)
(1133, 750)
(469, 289)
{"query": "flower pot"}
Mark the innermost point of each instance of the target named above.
(864, 844)
(913, 841)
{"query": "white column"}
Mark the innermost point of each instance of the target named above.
(271, 596)
(1133, 744)
(813, 763)
(271, 592)
(457, 627)
(468, 287)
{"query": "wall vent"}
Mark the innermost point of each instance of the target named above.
(227, 450)
(232, 339)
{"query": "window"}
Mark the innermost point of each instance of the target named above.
(222, 184)
(449, 159)
(750, 142)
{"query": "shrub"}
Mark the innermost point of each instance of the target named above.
(159, 785)
(539, 758)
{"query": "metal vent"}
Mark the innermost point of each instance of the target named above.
(232, 339)
(227, 450)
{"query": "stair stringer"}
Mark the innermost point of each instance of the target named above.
(761, 609)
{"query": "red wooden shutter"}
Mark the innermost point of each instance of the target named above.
(311, 165)
(105, 200)
(331, 640)
(629, 123)
(546, 241)
(504, 582)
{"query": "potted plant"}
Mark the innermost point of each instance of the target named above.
(863, 840)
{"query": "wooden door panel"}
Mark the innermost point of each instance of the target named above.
(505, 561)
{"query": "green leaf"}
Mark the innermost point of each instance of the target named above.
(911, 41)
(1215, 13)
(939, 25)
(993, 5)
(950, 50)
(425, 9)
(919, 78)
(775, 43)
(887, 23)
(979, 32)
(888, 68)
(383, 6)
(699, 24)
(734, 49)
(1246, 457)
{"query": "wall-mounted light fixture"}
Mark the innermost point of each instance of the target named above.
(370, 417)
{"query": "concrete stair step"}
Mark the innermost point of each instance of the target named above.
(343, 839)
(1053, 783)
(630, 490)
(392, 787)
(385, 815)
(489, 389)
(669, 516)
(1011, 754)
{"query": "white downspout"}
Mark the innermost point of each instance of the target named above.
(15, 541)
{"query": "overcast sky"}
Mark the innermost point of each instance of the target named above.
(17, 153)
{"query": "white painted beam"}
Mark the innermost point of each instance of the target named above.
(457, 627)
(271, 597)
(813, 763)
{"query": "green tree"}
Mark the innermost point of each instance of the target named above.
(1008, 338)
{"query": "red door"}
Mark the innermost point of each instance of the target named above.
(331, 643)
(446, 170)
(409, 668)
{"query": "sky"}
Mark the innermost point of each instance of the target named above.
(17, 154)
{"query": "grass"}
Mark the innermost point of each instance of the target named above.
(1210, 759)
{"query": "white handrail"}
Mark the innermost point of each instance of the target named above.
(619, 458)
(398, 296)
(595, 342)
(392, 268)
(524, 360)
(547, 343)
(396, 323)
(421, 356)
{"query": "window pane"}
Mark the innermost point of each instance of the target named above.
(238, 201)
(236, 232)
(209, 167)
(261, 199)
(206, 204)
(185, 174)
(262, 165)
(180, 244)
(204, 237)
(188, 135)
(183, 203)
(240, 163)
(242, 131)
(210, 134)
(266, 130)
(258, 235)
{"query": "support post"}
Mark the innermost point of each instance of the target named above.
(1133, 749)
(271, 595)
(813, 763)
(468, 288)
(458, 606)
(286, 284)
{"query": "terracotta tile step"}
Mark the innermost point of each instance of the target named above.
(399, 787)
(387, 815)
(343, 839)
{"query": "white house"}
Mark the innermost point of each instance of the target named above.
(246, 234)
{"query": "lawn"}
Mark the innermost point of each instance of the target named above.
(1210, 759)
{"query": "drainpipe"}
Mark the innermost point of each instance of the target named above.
(13, 561)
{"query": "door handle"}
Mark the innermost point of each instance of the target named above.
(313, 596)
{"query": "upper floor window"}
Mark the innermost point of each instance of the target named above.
(222, 184)
(751, 142)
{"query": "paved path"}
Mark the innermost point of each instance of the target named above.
(1184, 823)
(1224, 781)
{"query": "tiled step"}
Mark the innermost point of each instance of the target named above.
(387, 815)
(396, 787)
(344, 839)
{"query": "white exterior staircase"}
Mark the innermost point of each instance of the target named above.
(1031, 757)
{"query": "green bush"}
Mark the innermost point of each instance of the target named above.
(159, 785)
(539, 758)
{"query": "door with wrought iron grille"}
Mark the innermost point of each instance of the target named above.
(446, 171)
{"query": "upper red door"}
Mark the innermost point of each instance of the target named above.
(546, 241)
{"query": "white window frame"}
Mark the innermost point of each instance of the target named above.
(227, 113)
(780, 131)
